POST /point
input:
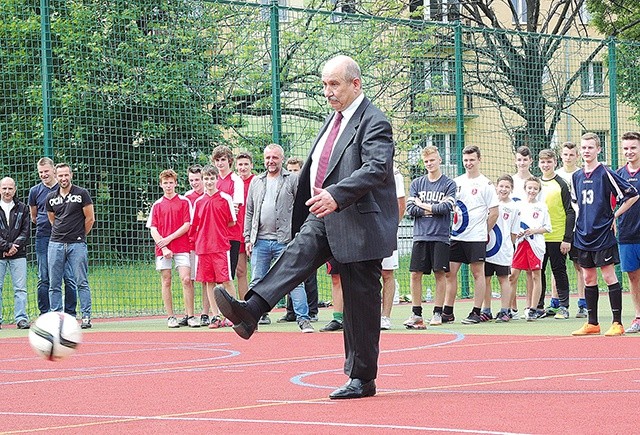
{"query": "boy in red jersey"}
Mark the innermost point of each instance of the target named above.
(169, 221)
(213, 215)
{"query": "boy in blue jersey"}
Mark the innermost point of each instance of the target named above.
(431, 200)
(593, 189)
(629, 224)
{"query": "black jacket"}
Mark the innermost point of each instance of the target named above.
(17, 232)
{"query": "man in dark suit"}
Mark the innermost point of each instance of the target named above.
(345, 208)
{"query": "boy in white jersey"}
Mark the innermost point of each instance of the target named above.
(569, 157)
(523, 160)
(476, 212)
(500, 248)
(530, 244)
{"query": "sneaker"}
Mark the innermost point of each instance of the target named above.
(193, 322)
(540, 313)
(264, 320)
(287, 318)
(472, 319)
(486, 316)
(227, 323)
(86, 322)
(615, 330)
(552, 311)
(634, 328)
(514, 314)
(502, 317)
(415, 322)
(313, 318)
(587, 329)
(532, 315)
(305, 326)
(333, 325)
(184, 321)
(436, 319)
(216, 322)
(385, 323)
(24, 324)
(562, 313)
(582, 313)
(448, 318)
(172, 322)
(204, 320)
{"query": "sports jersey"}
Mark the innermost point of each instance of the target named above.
(68, 225)
(192, 195)
(242, 210)
(629, 221)
(441, 195)
(534, 215)
(38, 198)
(518, 193)
(566, 176)
(212, 216)
(500, 247)
(557, 195)
(233, 185)
(474, 198)
(593, 192)
(166, 216)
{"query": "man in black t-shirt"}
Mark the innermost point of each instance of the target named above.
(70, 211)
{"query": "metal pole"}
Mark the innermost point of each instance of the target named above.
(45, 66)
(276, 109)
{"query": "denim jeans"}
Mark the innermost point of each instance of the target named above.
(73, 256)
(264, 253)
(18, 271)
(70, 295)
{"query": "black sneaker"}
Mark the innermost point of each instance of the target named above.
(204, 320)
(540, 314)
(264, 320)
(86, 323)
(472, 319)
(184, 321)
(448, 318)
(22, 324)
(333, 325)
(287, 318)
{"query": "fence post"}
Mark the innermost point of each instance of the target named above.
(276, 113)
(464, 269)
(45, 66)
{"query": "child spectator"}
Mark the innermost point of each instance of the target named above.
(213, 214)
(530, 245)
(169, 221)
(500, 249)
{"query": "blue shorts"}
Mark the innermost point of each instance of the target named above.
(629, 257)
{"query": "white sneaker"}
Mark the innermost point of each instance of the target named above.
(193, 322)
(436, 320)
(385, 323)
(172, 322)
(305, 326)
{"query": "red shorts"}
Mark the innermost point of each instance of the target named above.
(213, 267)
(525, 259)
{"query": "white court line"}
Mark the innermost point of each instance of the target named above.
(314, 424)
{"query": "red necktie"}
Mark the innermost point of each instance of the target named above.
(323, 163)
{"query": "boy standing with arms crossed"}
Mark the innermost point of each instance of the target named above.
(431, 200)
(594, 236)
(213, 215)
(169, 220)
(476, 212)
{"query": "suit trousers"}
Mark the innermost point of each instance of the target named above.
(360, 287)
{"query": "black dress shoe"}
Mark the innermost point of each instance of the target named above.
(333, 325)
(355, 389)
(236, 311)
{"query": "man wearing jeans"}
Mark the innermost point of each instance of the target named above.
(70, 211)
(37, 207)
(267, 228)
(14, 236)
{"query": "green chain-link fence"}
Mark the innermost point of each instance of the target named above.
(123, 89)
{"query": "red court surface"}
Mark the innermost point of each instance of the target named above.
(214, 382)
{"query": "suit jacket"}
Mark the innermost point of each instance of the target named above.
(360, 179)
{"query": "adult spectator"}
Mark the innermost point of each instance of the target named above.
(38, 210)
(345, 208)
(70, 211)
(267, 228)
(14, 236)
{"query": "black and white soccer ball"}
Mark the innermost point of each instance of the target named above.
(55, 335)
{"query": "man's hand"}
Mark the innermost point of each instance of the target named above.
(248, 246)
(565, 247)
(322, 203)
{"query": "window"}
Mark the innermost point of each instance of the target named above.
(283, 14)
(440, 75)
(604, 155)
(446, 144)
(585, 16)
(442, 10)
(520, 11)
(591, 78)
